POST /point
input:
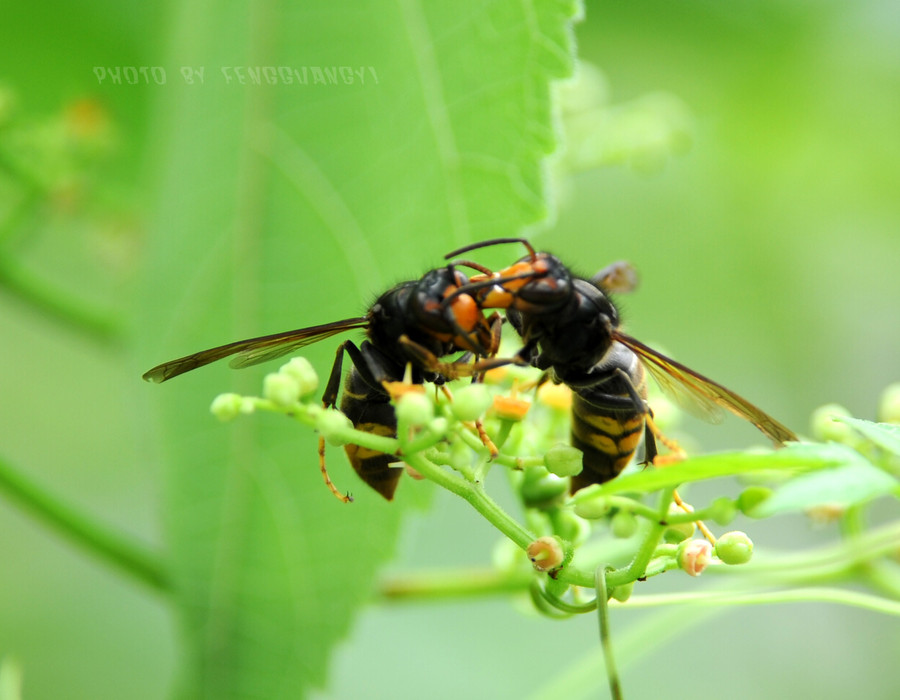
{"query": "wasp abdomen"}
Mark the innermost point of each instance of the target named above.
(607, 437)
(370, 410)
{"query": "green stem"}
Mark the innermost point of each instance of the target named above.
(453, 583)
(612, 674)
(793, 595)
(476, 497)
(827, 563)
(110, 546)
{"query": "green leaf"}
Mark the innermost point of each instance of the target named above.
(794, 457)
(883, 435)
(843, 486)
(287, 205)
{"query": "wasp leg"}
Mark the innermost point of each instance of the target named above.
(651, 432)
(366, 401)
(428, 361)
(495, 321)
(677, 453)
(372, 375)
(449, 370)
(329, 400)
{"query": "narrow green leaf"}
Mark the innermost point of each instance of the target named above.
(391, 133)
(883, 435)
(842, 486)
(801, 456)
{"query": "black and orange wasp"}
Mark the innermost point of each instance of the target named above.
(570, 328)
(407, 325)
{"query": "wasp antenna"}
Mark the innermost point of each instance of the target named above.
(488, 243)
(481, 284)
(474, 265)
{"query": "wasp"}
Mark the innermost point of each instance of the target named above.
(570, 328)
(408, 326)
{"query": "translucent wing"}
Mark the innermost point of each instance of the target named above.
(701, 396)
(255, 350)
(619, 277)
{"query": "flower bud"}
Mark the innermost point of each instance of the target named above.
(694, 556)
(623, 593)
(304, 374)
(470, 402)
(556, 396)
(722, 510)
(414, 408)
(571, 528)
(563, 460)
(509, 408)
(546, 553)
(330, 423)
(824, 427)
(281, 389)
(734, 548)
(681, 531)
(593, 509)
(826, 513)
(889, 406)
(541, 489)
(226, 406)
(751, 497)
(623, 524)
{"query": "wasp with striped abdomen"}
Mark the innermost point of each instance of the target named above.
(409, 324)
(570, 328)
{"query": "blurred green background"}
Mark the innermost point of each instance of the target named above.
(748, 164)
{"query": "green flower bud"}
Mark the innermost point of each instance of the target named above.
(623, 524)
(414, 408)
(824, 427)
(439, 426)
(304, 374)
(281, 389)
(694, 556)
(563, 460)
(675, 534)
(623, 593)
(471, 401)
(889, 406)
(460, 457)
(734, 548)
(593, 509)
(751, 497)
(541, 489)
(722, 510)
(227, 406)
(682, 531)
(570, 527)
(330, 423)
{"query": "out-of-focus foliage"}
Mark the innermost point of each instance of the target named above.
(748, 159)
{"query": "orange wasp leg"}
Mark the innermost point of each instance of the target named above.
(676, 454)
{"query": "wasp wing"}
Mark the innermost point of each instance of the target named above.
(254, 350)
(619, 277)
(702, 396)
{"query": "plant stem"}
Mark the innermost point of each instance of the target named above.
(612, 674)
(793, 595)
(453, 583)
(476, 497)
(122, 552)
